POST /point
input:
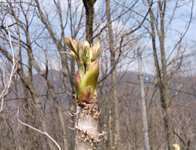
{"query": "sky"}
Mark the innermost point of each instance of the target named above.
(179, 23)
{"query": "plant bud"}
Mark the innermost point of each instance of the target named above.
(78, 83)
(85, 45)
(91, 76)
(86, 95)
(95, 50)
(89, 79)
(73, 45)
(68, 42)
(86, 78)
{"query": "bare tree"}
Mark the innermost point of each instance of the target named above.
(43, 88)
(159, 28)
(113, 79)
(143, 103)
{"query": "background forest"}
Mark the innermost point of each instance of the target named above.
(148, 52)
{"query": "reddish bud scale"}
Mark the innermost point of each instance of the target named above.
(77, 81)
(86, 95)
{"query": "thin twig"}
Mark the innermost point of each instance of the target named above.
(41, 132)
(14, 68)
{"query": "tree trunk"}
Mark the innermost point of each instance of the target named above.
(117, 138)
(143, 103)
(161, 74)
(110, 137)
(89, 7)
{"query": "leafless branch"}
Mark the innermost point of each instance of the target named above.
(13, 71)
(185, 31)
(35, 129)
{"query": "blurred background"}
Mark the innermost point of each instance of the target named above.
(147, 81)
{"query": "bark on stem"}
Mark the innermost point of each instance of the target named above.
(86, 126)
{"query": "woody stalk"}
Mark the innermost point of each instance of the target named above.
(87, 136)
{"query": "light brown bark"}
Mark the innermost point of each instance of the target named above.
(161, 71)
(117, 138)
(143, 103)
(86, 126)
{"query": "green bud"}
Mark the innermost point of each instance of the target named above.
(73, 45)
(91, 76)
(84, 54)
(87, 76)
(87, 80)
(72, 54)
(85, 45)
(94, 51)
